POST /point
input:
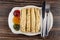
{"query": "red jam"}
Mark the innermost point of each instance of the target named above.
(16, 13)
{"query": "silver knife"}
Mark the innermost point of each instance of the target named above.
(43, 16)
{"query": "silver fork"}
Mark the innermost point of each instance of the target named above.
(47, 9)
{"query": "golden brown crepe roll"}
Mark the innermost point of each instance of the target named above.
(28, 19)
(37, 20)
(32, 20)
(23, 20)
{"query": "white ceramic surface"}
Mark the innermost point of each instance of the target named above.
(10, 23)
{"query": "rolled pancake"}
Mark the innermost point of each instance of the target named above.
(23, 20)
(37, 20)
(32, 20)
(28, 19)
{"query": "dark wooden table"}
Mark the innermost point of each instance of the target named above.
(7, 5)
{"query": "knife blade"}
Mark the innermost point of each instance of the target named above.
(43, 10)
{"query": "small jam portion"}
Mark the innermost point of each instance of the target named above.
(16, 13)
(16, 27)
(16, 20)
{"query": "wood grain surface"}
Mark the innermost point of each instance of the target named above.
(7, 5)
